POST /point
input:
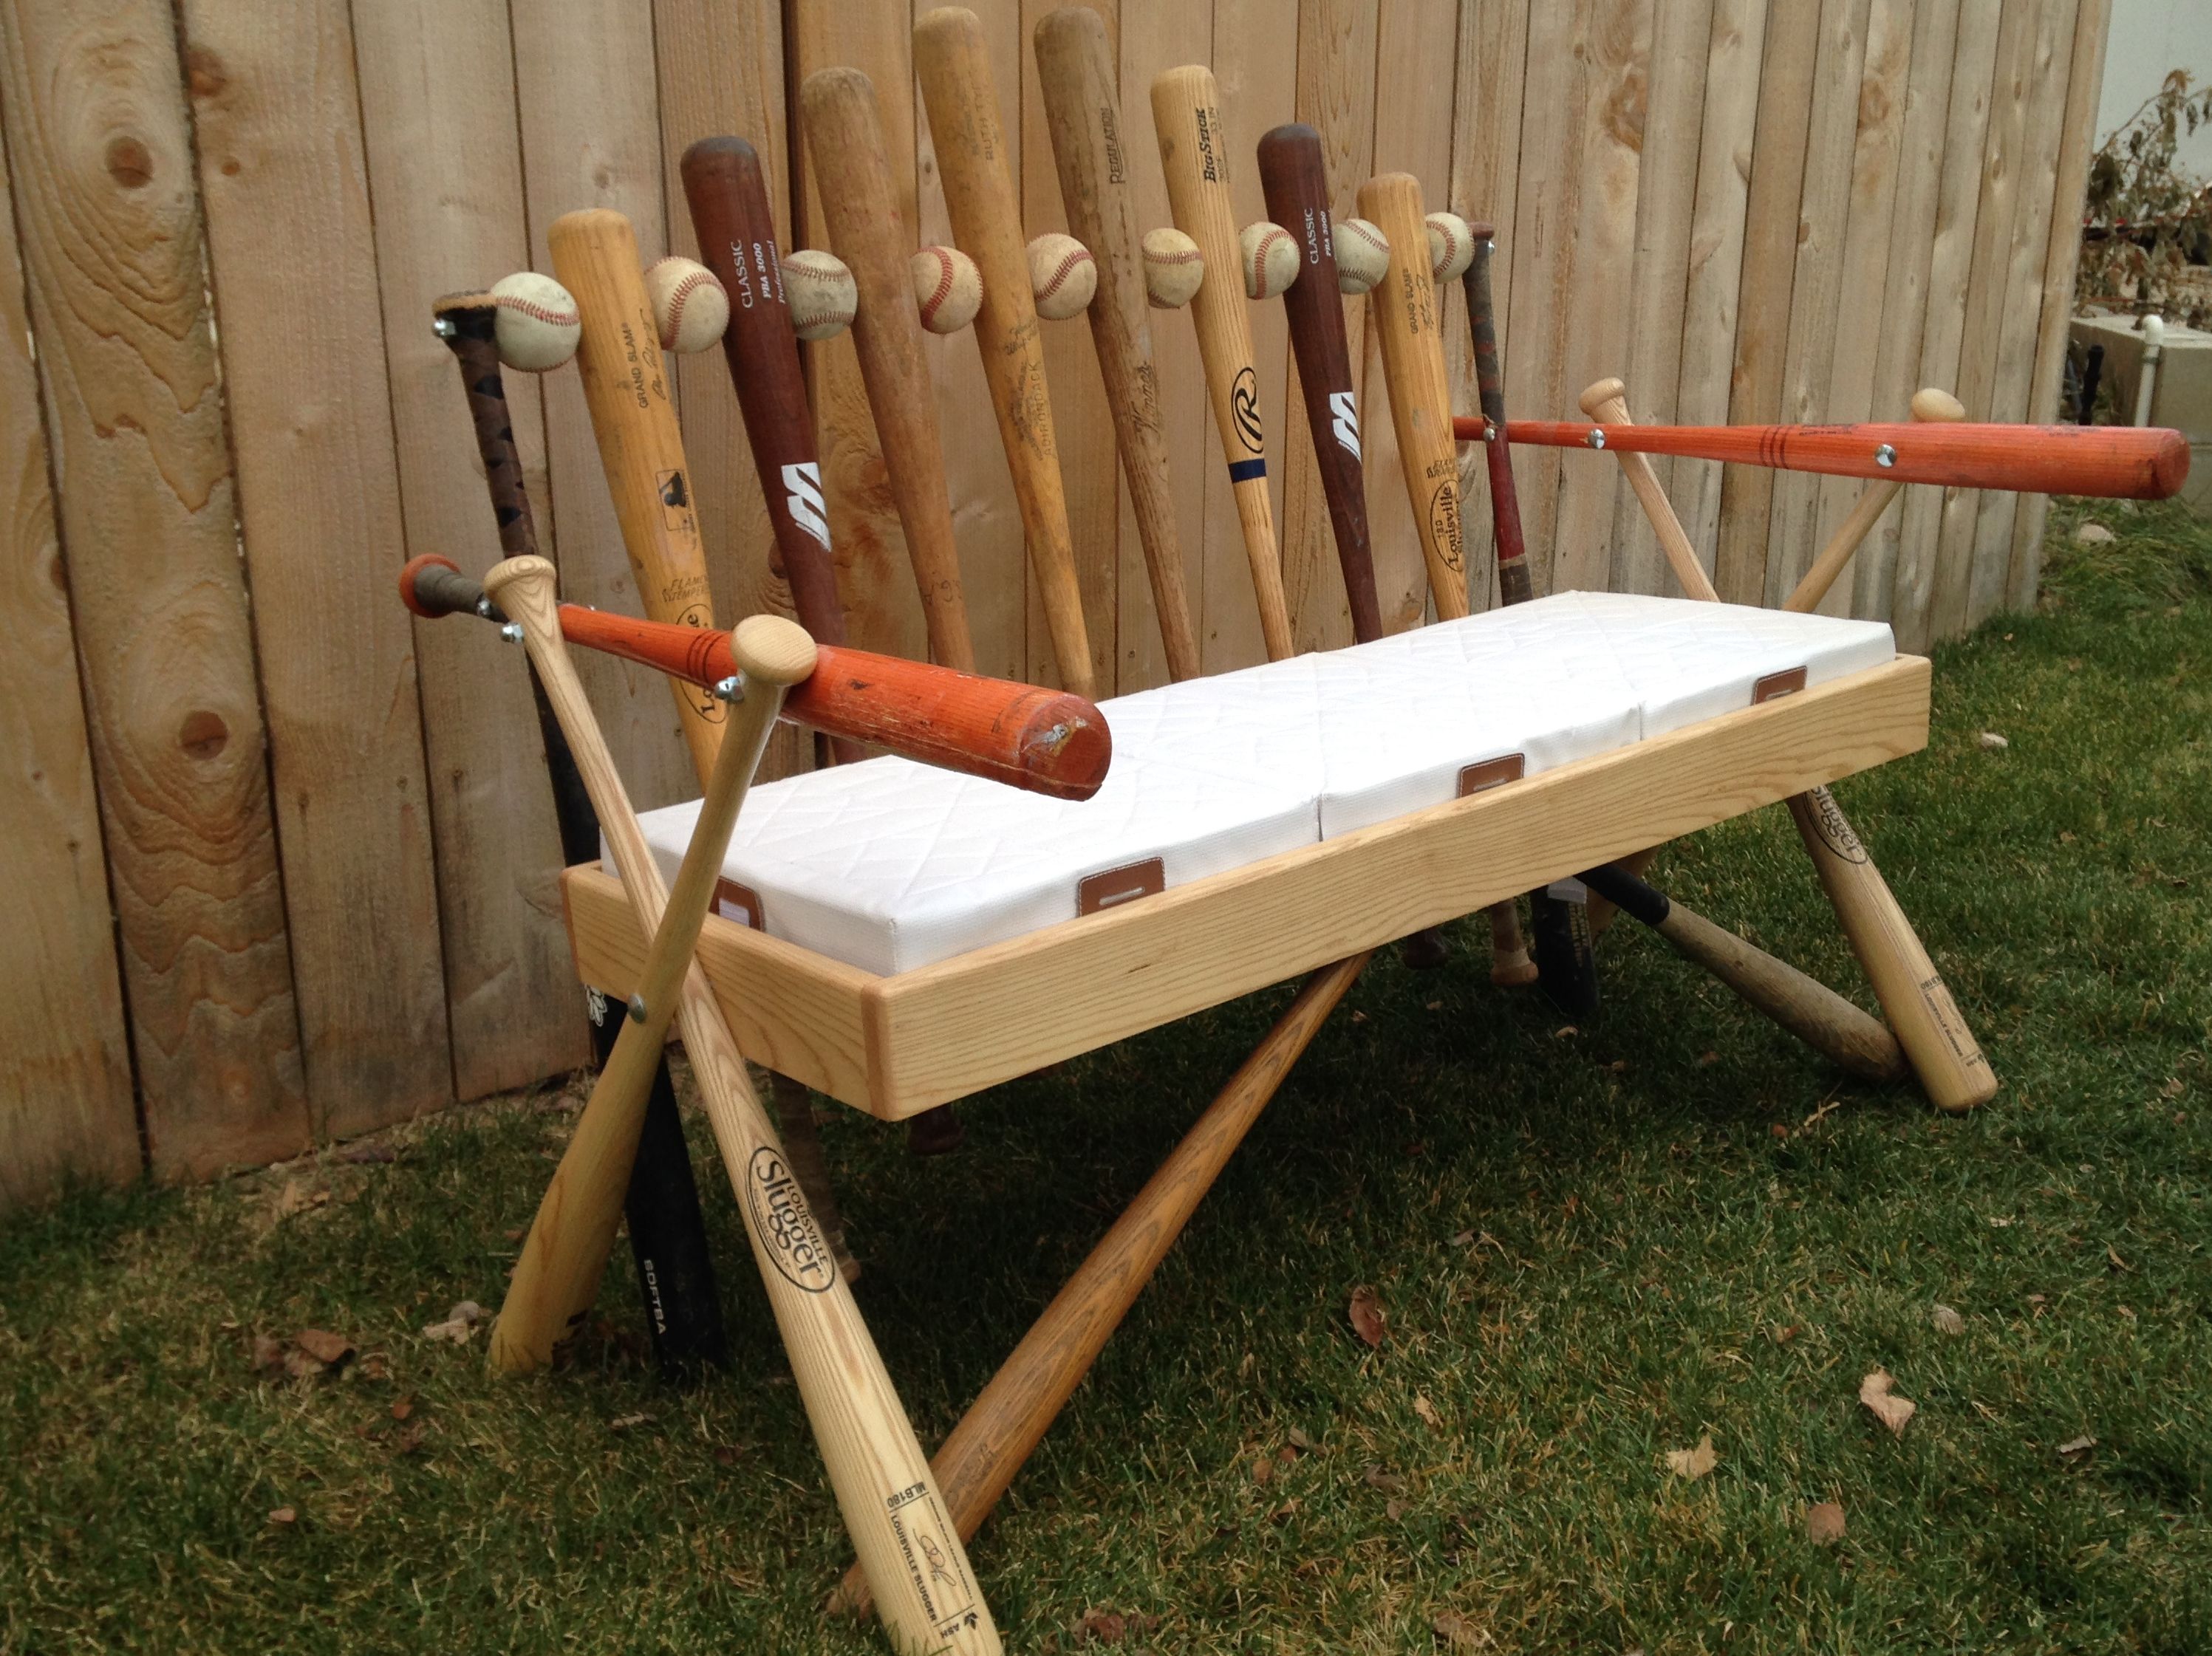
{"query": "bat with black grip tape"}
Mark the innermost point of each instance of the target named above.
(1078, 76)
(926, 1592)
(1950, 1064)
(1194, 157)
(640, 451)
(1559, 924)
(953, 66)
(727, 192)
(660, 1195)
(2112, 462)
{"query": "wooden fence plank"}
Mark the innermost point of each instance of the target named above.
(294, 267)
(875, 578)
(2021, 275)
(1984, 325)
(445, 168)
(2085, 77)
(1336, 98)
(1905, 284)
(721, 72)
(1824, 207)
(1770, 263)
(584, 75)
(1155, 38)
(1973, 65)
(1666, 205)
(1486, 126)
(1256, 64)
(1082, 425)
(65, 1105)
(108, 211)
(1715, 268)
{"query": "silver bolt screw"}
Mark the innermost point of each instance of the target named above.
(1489, 432)
(443, 327)
(1885, 456)
(637, 1009)
(731, 689)
(1597, 437)
(511, 632)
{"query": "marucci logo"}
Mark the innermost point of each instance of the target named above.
(803, 481)
(1346, 426)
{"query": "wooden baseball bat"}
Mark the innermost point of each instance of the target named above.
(1295, 181)
(1560, 921)
(727, 192)
(641, 449)
(1050, 742)
(1810, 1011)
(1914, 998)
(1928, 403)
(954, 68)
(667, 1229)
(924, 1592)
(574, 1226)
(1403, 311)
(844, 134)
(2115, 462)
(1079, 78)
(1607, 400)
(1194, 156)
(978, 1459)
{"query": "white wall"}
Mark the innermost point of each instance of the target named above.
(2148, 38)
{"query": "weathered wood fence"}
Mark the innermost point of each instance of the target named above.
(280, 863)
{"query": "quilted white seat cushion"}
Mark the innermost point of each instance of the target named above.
(890, 865)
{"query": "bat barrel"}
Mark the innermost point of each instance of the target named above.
(2114, 462)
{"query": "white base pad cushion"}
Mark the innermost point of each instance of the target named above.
(890, 865)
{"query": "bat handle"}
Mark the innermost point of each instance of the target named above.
(1928, 403)
(431, 585)
(1606, 402)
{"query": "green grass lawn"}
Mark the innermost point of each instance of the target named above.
(1593, 1246)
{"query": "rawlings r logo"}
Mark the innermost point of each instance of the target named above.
(1347, 421)
(1244, 405)
(804, 479)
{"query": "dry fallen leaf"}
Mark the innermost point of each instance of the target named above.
(268, 1354)
(1262, 1470)
(1427, 1411)
(1457, 1632)
(1103, 1626)
(1784, 1336)
(2112, 1258)
(1891, 1409)
(330, 1349)
(1367, 1320)
(1992, 742)
(1299, 1440)
(623, 1422)
(1394, 1510)
(1947, 1321)
(283, 1516)
(1693, 1463)
(460, 1324)
(1824, 1523)
(2080, 1445)
(403, 1408)
(1388, 1483)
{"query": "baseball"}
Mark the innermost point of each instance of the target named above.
(948, 287)
(1062, 277)
(689, 305)
(1173, 269)
(821, 293)
(1363, 255)
(1269, 259)
(1451, 246)
(538, 326)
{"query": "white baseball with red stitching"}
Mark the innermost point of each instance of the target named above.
(537, 326)
(689, 305)
(1061, 276)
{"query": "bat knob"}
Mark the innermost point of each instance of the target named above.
(1931, 402)
(1601, 396)
(414, 567)
(1482, 230)
(773, 651)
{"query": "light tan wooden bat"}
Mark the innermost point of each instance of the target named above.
(1409, 324)
(926, 1592)
(845, 135)
(1194, 156)
(1928, 403)
(1078, 75)
(1914, 998)
(641, 449)
(953, 64)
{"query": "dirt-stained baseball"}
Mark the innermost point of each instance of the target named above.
(1061, 276)
(1173, 269)
(537, 326)
(948, 287)
(1363, 255)
(1268, 257)
(1451, 246)
(821, 292)
(689, 305)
